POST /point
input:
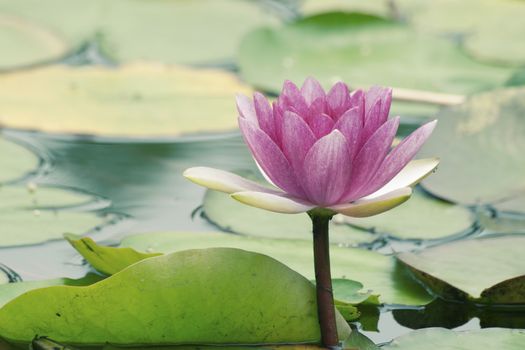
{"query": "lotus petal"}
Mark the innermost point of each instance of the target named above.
(312, 90)
(297, 140)
(246, 108)
(400, 156)
(223, 181)
(279, 203)
(372, 206)
(409, 176)
(270, 158)
(264, 114)
(370, 157)
(327, 168)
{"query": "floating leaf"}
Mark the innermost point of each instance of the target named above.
(15, 161)
(377, 272)
(422, 217)
(351, 292)
(485, 36)
(168, 300)
(23, 223)
(232, 216)
(33, 197)
(107, 260)
(24, 43)
(361, 50)
(10, 291)
(480, 144)
(204, 31)
(444, 339)
(197, 32)
(487, 270)
(133, 100)
(501, 223)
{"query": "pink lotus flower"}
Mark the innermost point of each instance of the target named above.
(324, 150)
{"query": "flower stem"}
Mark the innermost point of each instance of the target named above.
(323, 280)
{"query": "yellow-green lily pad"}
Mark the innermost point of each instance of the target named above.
(488, 270)
(377, 272)
(15, 160)
(142, 99)
(422, 217)
(189, 297)
(481, 145)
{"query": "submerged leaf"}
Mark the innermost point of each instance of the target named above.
(206, 296)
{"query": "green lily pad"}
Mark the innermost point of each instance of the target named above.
(485, 36)
(312, 7)
(377, 272)
(24, 43)
(15, 160)
(444, 339)
(133, 100)
(361, 50)
(168, 300)
(106, 260)
(33, 197)
(10, 291)
(512, 205)
(25, 220)
(422, 217)
(232, 216)
(488, 124)
(359, 341)
(489, 270)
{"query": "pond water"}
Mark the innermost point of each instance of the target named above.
(143, 183)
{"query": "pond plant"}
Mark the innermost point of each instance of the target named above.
(324, 153)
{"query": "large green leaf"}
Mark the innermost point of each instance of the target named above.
(15, 161)
(480, 144)
(24, 43)
(209, 296)
(133, 100)
(487, 270)
(444, 339)
(422, 217)
(232, 216)
(10, 291)
(377, 272)
(362, 50)
(24, 219)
